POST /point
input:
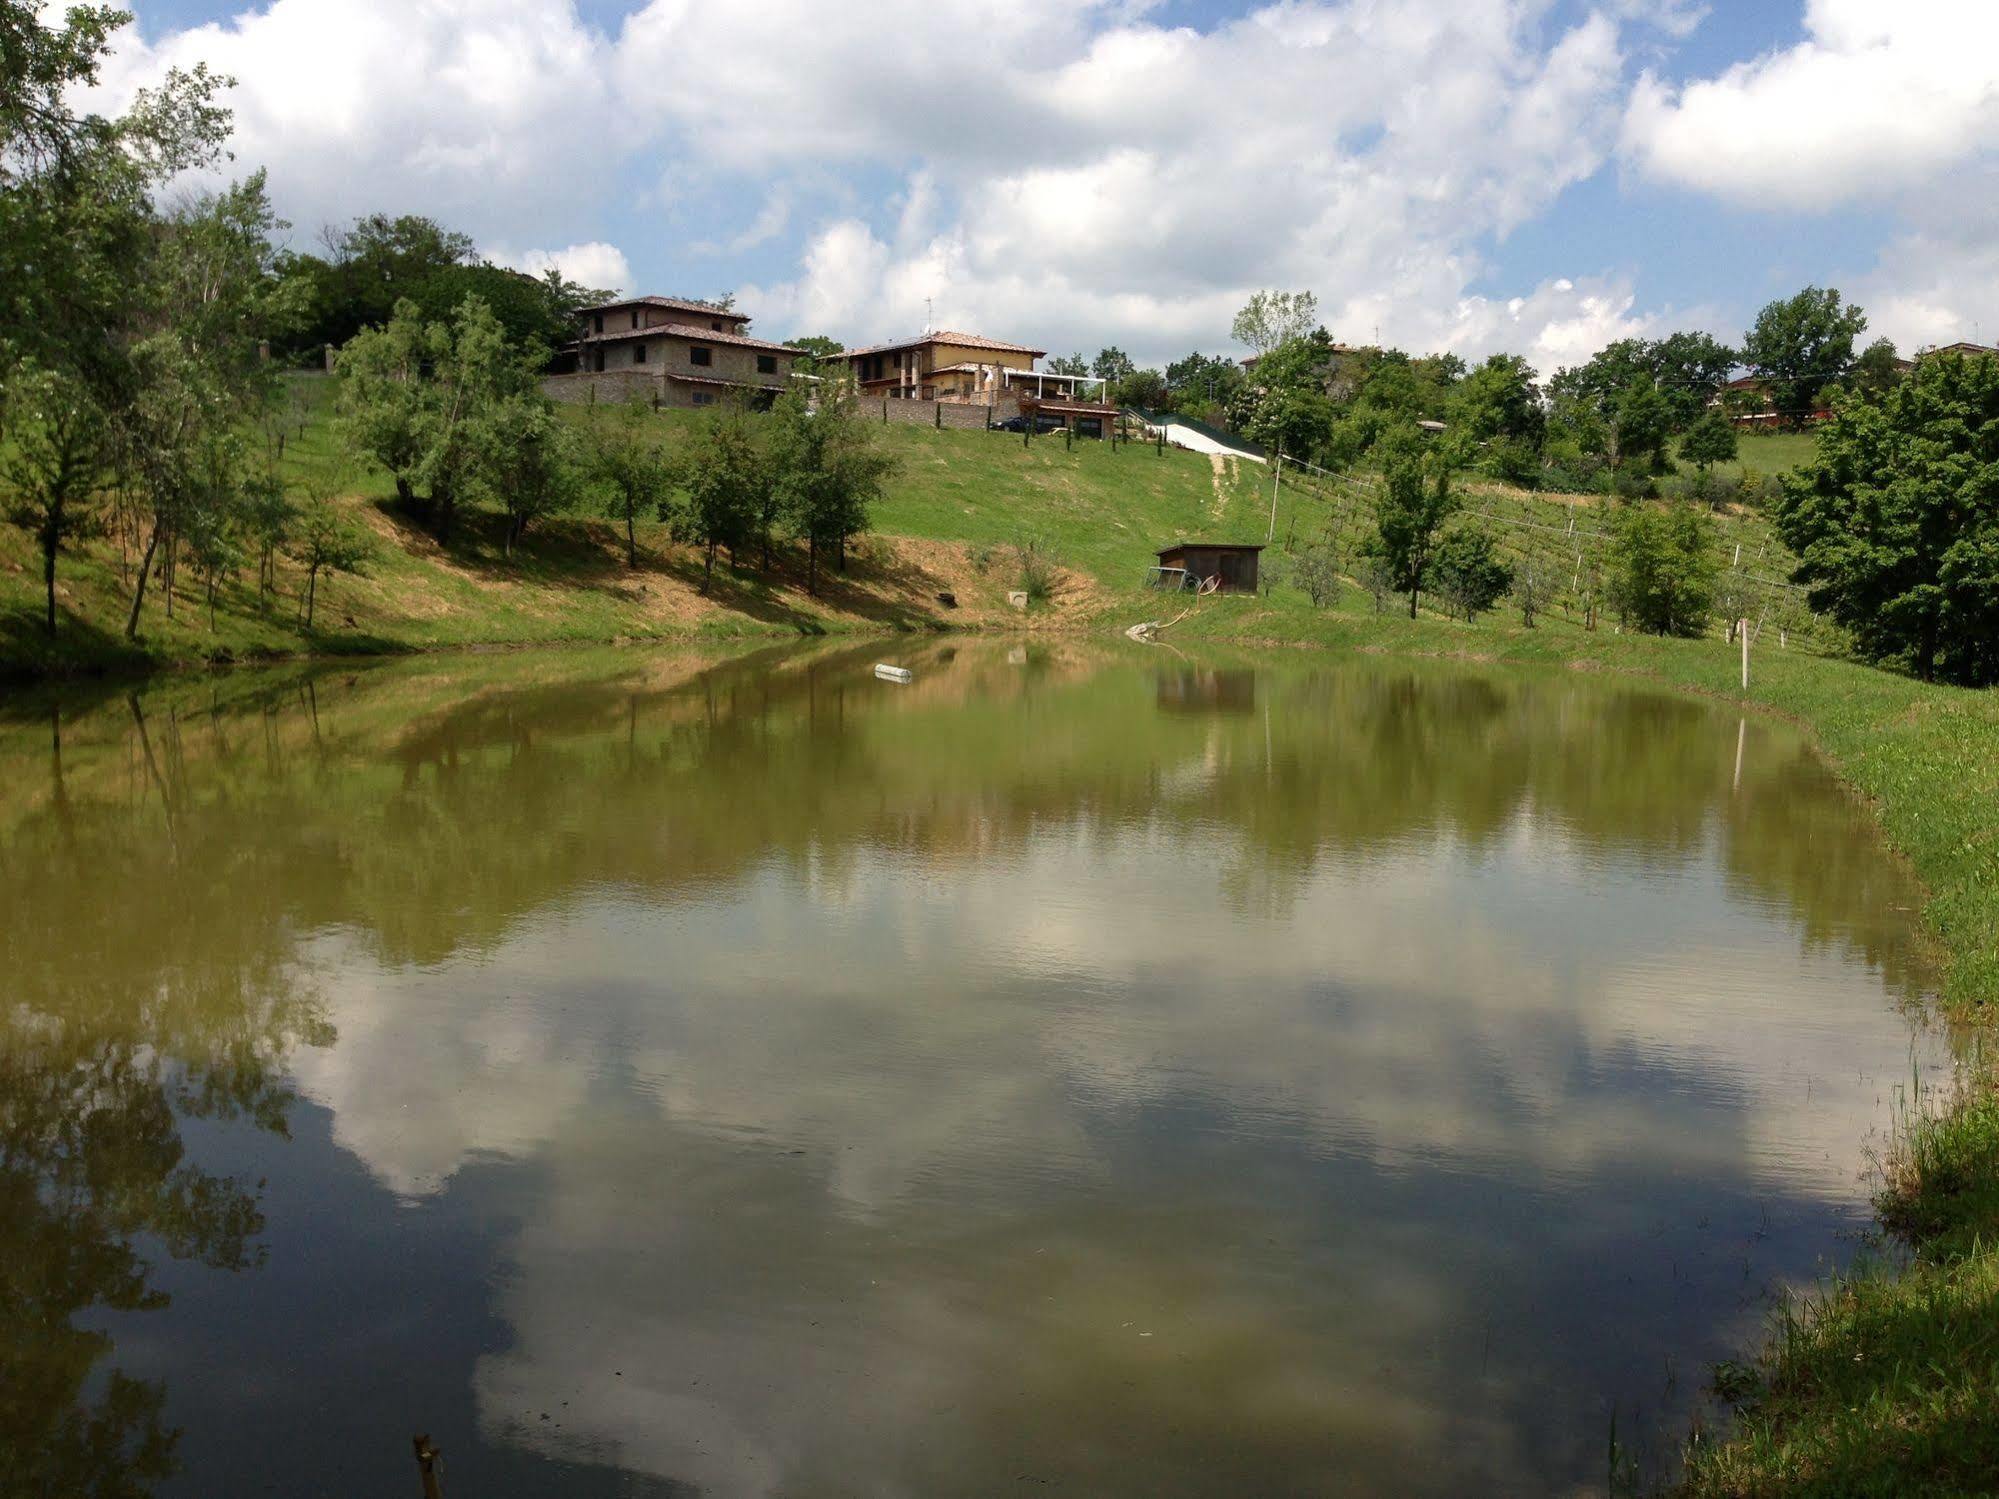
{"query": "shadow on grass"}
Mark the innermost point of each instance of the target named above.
(79, 647)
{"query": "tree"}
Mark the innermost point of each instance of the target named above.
(627, 458)
(1689, 368)
(419, 398)
(1709, 441)
(1497, 407)
(197, 375)
(1878, 370)
(1412, 510)
(1468, 571)
(1069, 364)
(1145, 389)
(1316, 573)
(1204, 380)
(828, 469)
(1112, 365)
(1270, 319)
(56, 470)
(1896, 523)
(529, 460)
(322, 540)
(1801, 344)
(1663, 569)
(720, 475)
(1644, 424)
(812, 349)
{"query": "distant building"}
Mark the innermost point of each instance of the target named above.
(969, 369)
(1968, 350)
(680, 352)
(945, 366)
(1186, 564)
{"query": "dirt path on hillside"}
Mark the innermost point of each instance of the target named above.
(1224, 468)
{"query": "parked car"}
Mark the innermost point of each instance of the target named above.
(1042, 424)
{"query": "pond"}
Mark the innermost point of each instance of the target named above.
(1109, 1072)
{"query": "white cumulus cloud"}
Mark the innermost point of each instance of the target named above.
(1876, 99)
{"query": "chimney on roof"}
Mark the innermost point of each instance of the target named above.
(929, 317)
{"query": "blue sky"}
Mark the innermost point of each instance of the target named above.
(1534, 175)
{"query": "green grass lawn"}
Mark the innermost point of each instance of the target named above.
(1770, 453)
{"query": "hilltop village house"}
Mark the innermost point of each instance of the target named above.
(669, 351)
(967, 369)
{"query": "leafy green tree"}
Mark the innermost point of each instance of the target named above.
(1204, 380)
(55, 468)
(1896, 523)
(1878, 370)
(1709, 441)
(1801, 344)
(628, 459)
(1270, 319)
(1145, 389)
(828, 469)
(1112, 365)
(528, 460)
(720, 475)
(1409, 516)
(197, 375)
(1469, 572)
(385, 397)
(323, 540)
(1689, 368)
(813, 349)
(1663, 569)
(1644, 424)
(421, 400)
(1069, 364)
(1497, 418)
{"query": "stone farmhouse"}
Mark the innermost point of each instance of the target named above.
(669, 351)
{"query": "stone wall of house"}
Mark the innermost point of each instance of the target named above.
(612, 387)
(958, 414)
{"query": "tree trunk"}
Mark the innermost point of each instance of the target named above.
(311, 590)
(1412, 603)
(812, 565)
(405, 496)
(708, 572)
(631, 541)
(145, 571)
(49, 576)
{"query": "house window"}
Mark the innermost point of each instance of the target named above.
(599, 322)
(704, 398)
(766, 364)
(600, 361)
(638, 353)
(701, 356)
(715, 327)
(635, 317)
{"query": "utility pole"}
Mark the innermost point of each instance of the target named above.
(1276, 479)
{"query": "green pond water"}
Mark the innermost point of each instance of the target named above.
(1104, 1072)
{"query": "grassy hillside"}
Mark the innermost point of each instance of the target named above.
(958, 503)
(958, 506)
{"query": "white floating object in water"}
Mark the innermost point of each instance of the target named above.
(894, 673)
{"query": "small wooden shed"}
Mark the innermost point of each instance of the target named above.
(1187, 563)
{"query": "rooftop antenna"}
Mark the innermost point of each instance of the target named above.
(929, 316)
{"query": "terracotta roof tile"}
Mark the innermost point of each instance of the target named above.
(676, 304)
(696, 335)
(956, 340)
